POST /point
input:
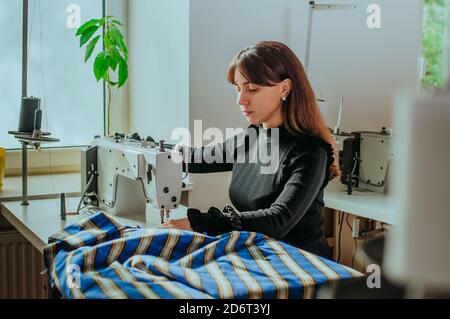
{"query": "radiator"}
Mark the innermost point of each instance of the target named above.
(21, 265)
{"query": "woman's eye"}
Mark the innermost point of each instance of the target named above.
(253, 89)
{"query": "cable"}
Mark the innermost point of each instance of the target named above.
(341, 218)
(354, 253)
(348, 223)
(354, 241)
(91, 179)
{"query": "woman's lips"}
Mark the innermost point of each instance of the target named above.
(247, 113)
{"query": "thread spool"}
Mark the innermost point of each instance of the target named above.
(28, 109)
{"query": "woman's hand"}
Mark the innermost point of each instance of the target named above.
(182, 224)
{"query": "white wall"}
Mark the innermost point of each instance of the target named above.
(218, 30)
(366, 66)
(158, 66)
(348, 59)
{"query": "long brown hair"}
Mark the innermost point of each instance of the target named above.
(267, 63)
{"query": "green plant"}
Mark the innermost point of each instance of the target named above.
(435, 20)
(112, 60)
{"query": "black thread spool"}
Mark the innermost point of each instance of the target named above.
(28, 109)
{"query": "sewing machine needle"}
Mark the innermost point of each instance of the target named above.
(162, 215)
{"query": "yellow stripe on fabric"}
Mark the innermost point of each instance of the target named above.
(49, 254)
(195, 243)
(223, 285)
(171, 242)
(253, 287)
(192, 277)
(321, 266)
(144, 243)
(169, 286)
(61, 235)
(108, 286)
(73, 240)
(99, 233)
(307, 280)
(282, 287)
(352, 271)
(114, 222)
(89, 258)
(116, 249)
(127, 276)
(75, 291)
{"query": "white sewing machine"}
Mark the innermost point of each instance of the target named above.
(131, 178)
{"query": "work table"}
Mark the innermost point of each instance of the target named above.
(366, 204)
(41, 186)
(46, 186)
(38, 221)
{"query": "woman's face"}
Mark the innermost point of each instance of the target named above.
(260, 104)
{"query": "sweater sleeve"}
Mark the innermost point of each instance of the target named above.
(307, 174)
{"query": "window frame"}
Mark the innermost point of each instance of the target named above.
(52, 159)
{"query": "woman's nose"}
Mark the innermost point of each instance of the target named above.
(242, 99)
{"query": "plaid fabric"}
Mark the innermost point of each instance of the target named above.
(100, 258)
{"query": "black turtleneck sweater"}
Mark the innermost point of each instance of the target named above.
(282, 198)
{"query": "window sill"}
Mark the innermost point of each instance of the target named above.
(41, 186)
(46, 161)
(48, 186)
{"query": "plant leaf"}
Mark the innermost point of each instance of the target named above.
(118, 38)
(87, 34)
(115, 35)
(86, 25)
(123, 72)
(90, 48)
(101, 64)
(115, 57)
(107, 40)
(116, 22)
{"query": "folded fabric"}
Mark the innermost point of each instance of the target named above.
(214, 222)
(100, 258)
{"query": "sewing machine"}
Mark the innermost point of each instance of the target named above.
(130, 178)
(366, 159)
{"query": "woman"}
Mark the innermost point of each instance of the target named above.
(274, 94)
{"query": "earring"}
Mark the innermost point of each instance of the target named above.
(283, 98)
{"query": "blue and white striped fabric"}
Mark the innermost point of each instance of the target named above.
(100, 258)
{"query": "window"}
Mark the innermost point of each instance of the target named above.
(435, 40)
(71, 98)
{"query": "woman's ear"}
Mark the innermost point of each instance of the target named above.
(286, 87)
